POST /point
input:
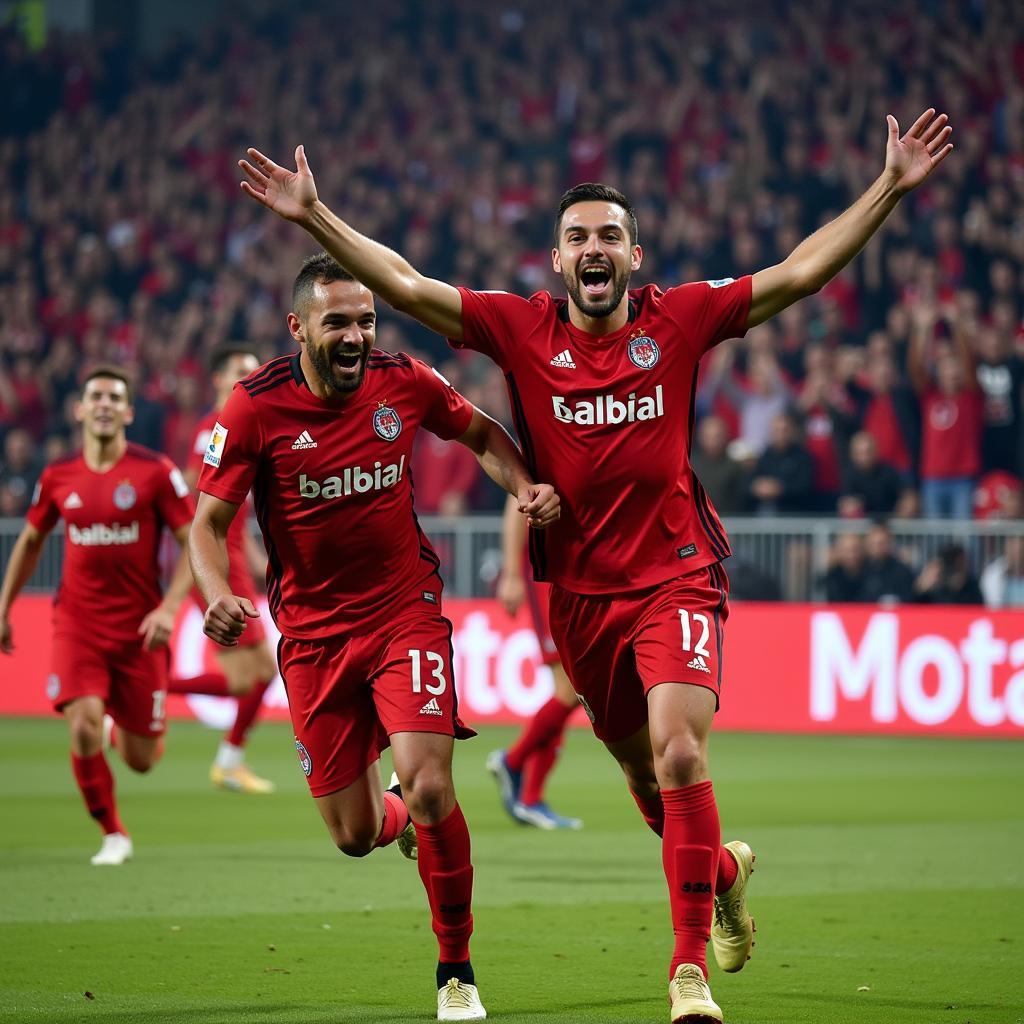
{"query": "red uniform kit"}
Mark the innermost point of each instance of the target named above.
(110, 580)
(637, 597)
(353, 583)
(239, 577)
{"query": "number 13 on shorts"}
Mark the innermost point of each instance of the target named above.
(435, 665)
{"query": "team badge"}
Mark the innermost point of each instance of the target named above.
(124, 495)
(304, 759)
(53, 686)
(643, 352)
(386, 422)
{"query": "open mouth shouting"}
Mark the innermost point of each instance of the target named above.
(596, 280)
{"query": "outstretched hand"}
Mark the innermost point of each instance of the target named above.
(290, 194)
(540, 505)
(910, 159)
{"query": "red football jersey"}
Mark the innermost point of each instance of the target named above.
(951, 434)
(113, 522)
(237, 557)
(607, 420)
(333, 489)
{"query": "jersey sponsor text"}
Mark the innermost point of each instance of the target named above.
(101, 535)
(353, 480)
(608, 409)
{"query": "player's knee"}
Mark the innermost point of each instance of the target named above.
(429, 794)
(681, 762)
(355, 842)
(86, 733)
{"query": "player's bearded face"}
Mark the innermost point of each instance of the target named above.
(339, 357)
(596, 285)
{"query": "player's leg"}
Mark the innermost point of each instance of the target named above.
(552, 718)
(249, 671)
(413, 690)
(363, 816)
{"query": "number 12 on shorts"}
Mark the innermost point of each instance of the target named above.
(702, 621)
(436, 665)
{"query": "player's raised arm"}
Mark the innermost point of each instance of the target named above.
(208, 554)
(23, 561)
(816, 260)
(499, 457)
(292, 195)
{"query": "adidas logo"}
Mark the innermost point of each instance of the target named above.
(303, 441)
(564, 360)
(73, 500)
(431, 708)
(699, 664)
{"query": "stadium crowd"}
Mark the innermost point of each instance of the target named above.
(896, 391)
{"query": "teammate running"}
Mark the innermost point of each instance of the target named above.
(249, 667)
(324, 439)
(602, 388)
(522, 771)
(108, 653)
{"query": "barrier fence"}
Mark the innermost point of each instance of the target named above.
(773, 557)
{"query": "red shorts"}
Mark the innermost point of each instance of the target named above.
(616, 648)
(132, 682)
(347, 695)
(537, 597)
(241, 584)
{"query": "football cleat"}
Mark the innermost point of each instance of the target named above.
(240, 779)
(691, 997)
(406, 841)
(459, 1001)
(732, 932)
(541, 816)
(116, 849)
(510, 783)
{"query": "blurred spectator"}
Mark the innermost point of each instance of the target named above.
(723, 478)
(886, 579)
(947, 579)
(1001, 380)
(19, 471)
(870, 487)
(951, 421)
(784, 475)
(445, 475)
(999, 495)
(1002, 580)
(844, 579)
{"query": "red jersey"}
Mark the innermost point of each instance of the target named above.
(607, 420)
(951, 434)
(113, 523)
(237, 557)
(333, 489)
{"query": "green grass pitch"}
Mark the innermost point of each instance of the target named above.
(889, 888)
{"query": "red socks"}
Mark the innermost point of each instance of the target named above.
(211, 684)
(396, 817)
(447, 875)
(96, 783)
(653, 811)
(546, 727)
(690, 854)
(248, 709)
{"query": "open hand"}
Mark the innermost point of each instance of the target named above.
(290, 194)
(910, 159)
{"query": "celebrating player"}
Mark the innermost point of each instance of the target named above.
(522, 771)
(324, 439)
(249, 666)
(108, 654)
(601, 388)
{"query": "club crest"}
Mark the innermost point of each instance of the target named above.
(305, 761)
(386, 422)
(124, 495)
(644, 352)
(53, 686)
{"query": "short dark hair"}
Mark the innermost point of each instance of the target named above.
(221, 354)
(594, 192)
(107, 371)
(320, 268)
